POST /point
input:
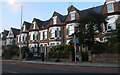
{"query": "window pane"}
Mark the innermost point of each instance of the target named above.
(55, 20)
(110, 8)
(55, 33)
(70, 29)
(72, 16)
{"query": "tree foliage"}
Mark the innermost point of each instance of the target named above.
(60, 51)
(10, 51)
(90, 23)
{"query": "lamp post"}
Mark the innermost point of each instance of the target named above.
(20, 55)
(13, 3)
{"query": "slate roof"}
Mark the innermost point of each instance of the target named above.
(15, 31)
(39, 22)
(5, 33)
(27, 24)
(61, 17)
(45, 24)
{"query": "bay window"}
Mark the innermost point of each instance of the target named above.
(52, 33)
(45, 35)
(70, 29)
(35, 36)
(57, 32)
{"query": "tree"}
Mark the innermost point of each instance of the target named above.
(25, 51)
(118, 30)
(10, 52)
(118, 33)
(113, 43)
(90, 23)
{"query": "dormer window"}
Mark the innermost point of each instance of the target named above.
(34, 23)
(55, 20)
(23, 27)
(72, 15)
(110, 7)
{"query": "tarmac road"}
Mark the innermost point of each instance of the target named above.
(16, 68)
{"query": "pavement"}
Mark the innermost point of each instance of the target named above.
(82, 64)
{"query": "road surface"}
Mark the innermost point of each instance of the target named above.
(14, 67)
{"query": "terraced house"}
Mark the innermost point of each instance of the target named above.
(59, 28)
(3, 37)
(12, 36)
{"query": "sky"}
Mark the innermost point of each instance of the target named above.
(10, 16)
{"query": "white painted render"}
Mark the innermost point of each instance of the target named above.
(111, 22)
(55, 20)
(110, 1)
(23, 35)
(24, 27)
(31, 34)
(41, 33)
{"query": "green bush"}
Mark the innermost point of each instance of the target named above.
(25, 51)
(10, 51)
(60, 51)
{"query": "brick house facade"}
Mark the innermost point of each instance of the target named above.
(58, 28)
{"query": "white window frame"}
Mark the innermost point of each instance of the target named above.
(72, 15)
(71, 31)
(52, 34)
(58, 32)
(55, 20)
(24, 27)
(110, 7)
(34, 23)
(45, 34)
(36, 35)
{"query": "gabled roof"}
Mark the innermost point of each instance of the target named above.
(45, 24)
(95, 9)
(27, 24)
(69, 8)
(15, 31)
(61, 17)
(39, 22)
(5, 33)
